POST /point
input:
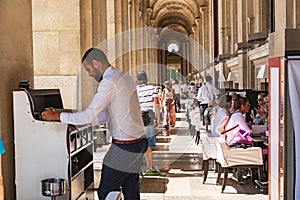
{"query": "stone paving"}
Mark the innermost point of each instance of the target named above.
(181, 165)
(180, 161)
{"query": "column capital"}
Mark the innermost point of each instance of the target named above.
(203, 9)
(198, 20)
(152, 22)
(149, 10)
(194, 28)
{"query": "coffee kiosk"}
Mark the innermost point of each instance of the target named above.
(49, 150)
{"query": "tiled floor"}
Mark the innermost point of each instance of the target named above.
(180, 161)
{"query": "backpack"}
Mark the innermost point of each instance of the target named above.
(221, 127)
(148, 117)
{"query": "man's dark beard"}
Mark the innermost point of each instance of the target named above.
(98, 77)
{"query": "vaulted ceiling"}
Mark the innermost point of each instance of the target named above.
(178, 15)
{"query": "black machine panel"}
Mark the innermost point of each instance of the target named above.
(44, 98)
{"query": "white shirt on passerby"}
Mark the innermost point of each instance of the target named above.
(116, 102)
(206, 93)
(176, 88)
(184, 88)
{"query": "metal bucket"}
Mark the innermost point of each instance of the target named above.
(53, 187)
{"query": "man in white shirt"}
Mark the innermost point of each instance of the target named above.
(148, 99)
(116, 102)
(176, 88)
(184, 89)
(206, 95)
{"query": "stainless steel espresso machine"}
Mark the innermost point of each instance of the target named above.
(49, 150)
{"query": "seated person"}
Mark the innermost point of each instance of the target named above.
(222, 110)
(237, 120)
(259, 116)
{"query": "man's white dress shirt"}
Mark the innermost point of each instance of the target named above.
(206, 93)
(115, 102)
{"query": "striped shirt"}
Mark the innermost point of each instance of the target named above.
(146, 94)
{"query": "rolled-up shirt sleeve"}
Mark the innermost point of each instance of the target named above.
(97, 109)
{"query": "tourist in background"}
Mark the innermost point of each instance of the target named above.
(168, 99)
(148, 98)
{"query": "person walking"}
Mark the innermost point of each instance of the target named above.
(116, 102)
(206, 96)
(168, 100)
(176, 88)
(148, 98)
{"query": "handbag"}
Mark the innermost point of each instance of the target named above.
(240, 138)
(148, 117)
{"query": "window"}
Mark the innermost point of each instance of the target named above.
(173, 48)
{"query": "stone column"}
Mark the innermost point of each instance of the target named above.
(17, 63)
(188, 64)
(85, 93)
(222, 26)
(118, 31)
(205, 38)
(224, 34)
(224, 23)
(250, 68)
(154, 54)
(194, 52)
(198, 59)
(110, 20)
(233, 24)
(159, 62)
(148, 41)
(103, 25)
(125, 36)
(163, 61)
(96, 21)
(139, 34)
(184, 56)
(242, 37)
(59, 44)
(132, 9)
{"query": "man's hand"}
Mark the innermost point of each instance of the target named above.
(50, 115)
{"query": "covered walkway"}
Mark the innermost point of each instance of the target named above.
(180, 162)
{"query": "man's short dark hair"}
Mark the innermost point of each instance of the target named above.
(141, 76)
(94, 54)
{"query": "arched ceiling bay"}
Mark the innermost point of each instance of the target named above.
(178, 15)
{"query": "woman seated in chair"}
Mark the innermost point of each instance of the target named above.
(239, 135)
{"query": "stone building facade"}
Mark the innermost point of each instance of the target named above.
(42, 41)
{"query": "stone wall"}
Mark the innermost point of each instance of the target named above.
(16, 64)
